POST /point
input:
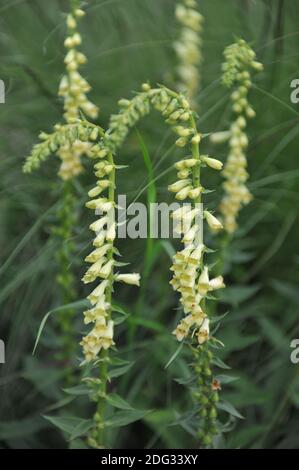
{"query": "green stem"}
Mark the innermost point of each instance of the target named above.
(204, 394)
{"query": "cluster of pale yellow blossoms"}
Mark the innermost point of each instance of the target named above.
(71, 165)
(64, 134)
(240, 58)
(188, 47)
(102, 258)
(190, 274)
(73, 88)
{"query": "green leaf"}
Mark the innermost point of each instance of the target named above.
(177, 352)
(229, 408)
(160, 421)
(186, 381)
(26, 238)
(78, 390)
(117, 308)
(123, 418)
(237, 342)
(294, 394)
(168, 248)
(40, 330)
(216, 319)
(73, 305)
(246, 393)
(118, 402)
(120, 264)
(226, 379)
(219, 363)
(60, 404)
(149, 324)
(239, 257)
(118, 371)
(82, 428)
(187, 421)
(235, 295)
(244, 437)
(66, 424)
(118, 361)
(208, 191)
(120, 320)
(78, 444)
(75, 427)
(286, 289)
(274, 334)
(45, 379)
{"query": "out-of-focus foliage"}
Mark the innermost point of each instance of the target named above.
(128, 42)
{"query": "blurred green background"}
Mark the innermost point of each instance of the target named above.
(128, 42)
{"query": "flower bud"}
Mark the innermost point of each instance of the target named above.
(212, 221)
(195, 193)
(183, 193)
(213, 163)
(196, 139)
(175, 187)
(132, 279)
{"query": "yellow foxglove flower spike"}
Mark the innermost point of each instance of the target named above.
(191, 276)
(69, 142)
(239, 62)
(188, 48)
(73, 88)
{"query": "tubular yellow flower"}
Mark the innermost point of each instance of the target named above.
(203, 282)
(204, 331)
(220, 137)
(212, 221)
(216, 283)
(132, 279)
(176, 187)
(213, 163)
(183, 193)
(195, 192)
